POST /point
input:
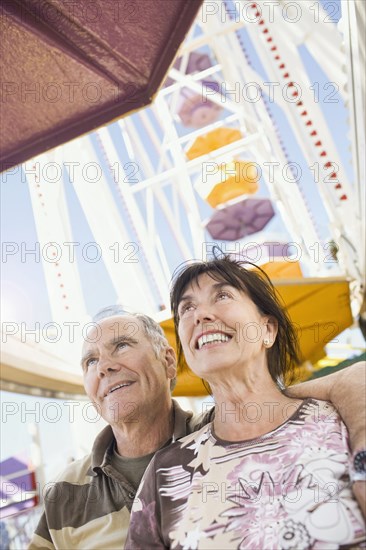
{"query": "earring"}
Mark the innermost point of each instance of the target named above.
(266, 343)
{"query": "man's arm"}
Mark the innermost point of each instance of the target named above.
(346, 389)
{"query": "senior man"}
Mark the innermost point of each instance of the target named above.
(129, 370)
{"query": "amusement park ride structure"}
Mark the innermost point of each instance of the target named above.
(146, 207)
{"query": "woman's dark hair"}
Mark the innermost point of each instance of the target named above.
(283, 356)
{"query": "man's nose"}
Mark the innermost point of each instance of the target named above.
(106, 366)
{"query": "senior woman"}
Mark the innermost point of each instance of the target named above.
(269, 471)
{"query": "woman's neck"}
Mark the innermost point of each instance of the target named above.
(247, 410)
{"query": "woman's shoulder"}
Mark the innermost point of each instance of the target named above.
(316, 410)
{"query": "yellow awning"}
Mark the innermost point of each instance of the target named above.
(282, 270)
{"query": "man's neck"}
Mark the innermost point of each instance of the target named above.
(146, 435)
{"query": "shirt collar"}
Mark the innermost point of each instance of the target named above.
(103, 444)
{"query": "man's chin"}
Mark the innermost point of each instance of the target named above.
(120, 413)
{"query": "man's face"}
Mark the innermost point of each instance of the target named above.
(122, 375)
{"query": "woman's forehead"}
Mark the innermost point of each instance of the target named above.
(204, 280)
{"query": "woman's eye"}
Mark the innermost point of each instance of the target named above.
(185, 309)
(223, 294)
(90, 362)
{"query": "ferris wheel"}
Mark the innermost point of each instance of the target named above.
(210, 145)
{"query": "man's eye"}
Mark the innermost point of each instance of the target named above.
(90, 362)
(121, 345)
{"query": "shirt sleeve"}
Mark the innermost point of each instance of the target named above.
(41, 539)
(145, 523)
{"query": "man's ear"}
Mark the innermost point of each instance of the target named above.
(170, 362)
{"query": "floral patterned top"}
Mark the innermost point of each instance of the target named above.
(288, 489)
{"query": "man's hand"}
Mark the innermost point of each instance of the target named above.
(359, 490)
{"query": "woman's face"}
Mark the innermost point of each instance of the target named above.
(221, 327)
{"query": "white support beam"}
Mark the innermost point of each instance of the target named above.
(353, 26)
(157, 191)
(183, 182)
(120, 254)
(155, 276)
(46, 188)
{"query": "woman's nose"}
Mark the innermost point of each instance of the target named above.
(203, 313)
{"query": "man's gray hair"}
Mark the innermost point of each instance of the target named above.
(153, 330)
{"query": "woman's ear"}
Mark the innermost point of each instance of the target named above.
(271, 329)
